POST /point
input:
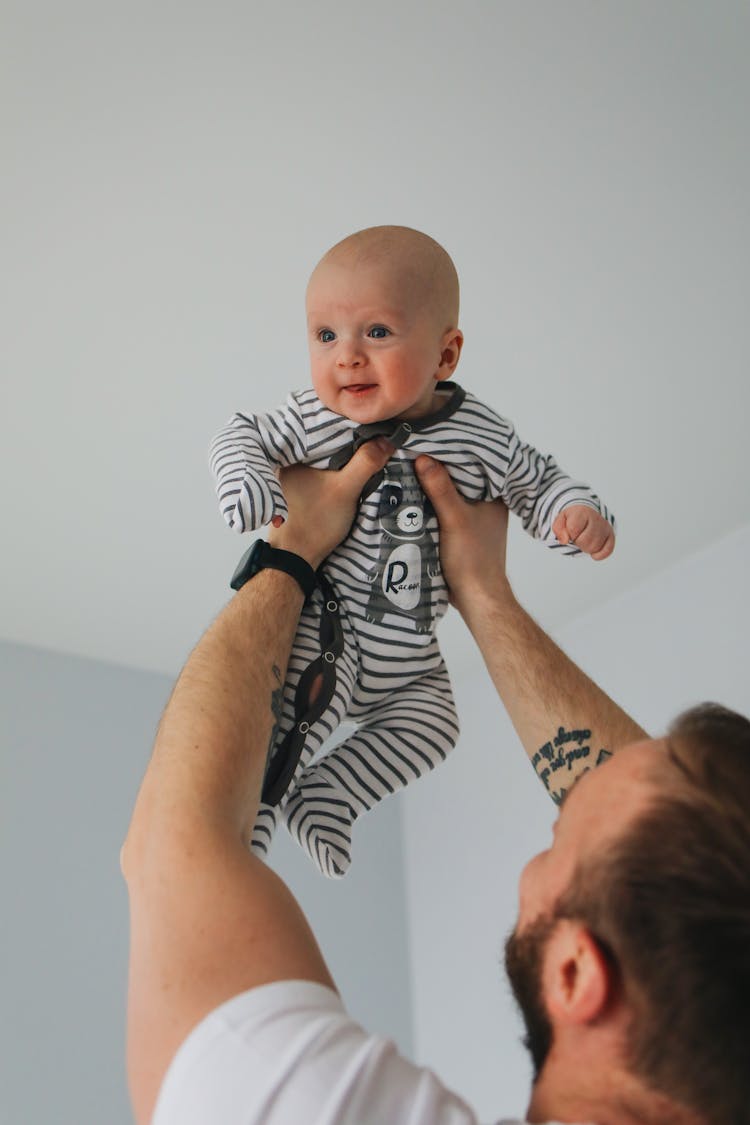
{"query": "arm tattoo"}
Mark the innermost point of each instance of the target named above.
(561, 761)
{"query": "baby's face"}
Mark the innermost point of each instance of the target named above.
(375, 350)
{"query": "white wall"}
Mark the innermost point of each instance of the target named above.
(172, 172)
(75, 736)
(675, 640)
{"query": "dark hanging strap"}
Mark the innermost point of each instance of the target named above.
(282, 766)
(396, 432)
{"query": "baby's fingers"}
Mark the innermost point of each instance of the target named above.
(560, 529)
(587, 529)
(607, 547)
(571, 524)
(598, 538)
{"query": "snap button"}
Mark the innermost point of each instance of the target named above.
(329, 657)
(303, 728)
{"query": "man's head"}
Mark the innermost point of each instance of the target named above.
(639, 914)
(382, 319)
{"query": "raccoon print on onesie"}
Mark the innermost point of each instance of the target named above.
(388, 591)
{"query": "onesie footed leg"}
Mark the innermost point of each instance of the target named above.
(402, 740)
(263, 830)
(320, 814)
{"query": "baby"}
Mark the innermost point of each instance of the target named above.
(382, 317)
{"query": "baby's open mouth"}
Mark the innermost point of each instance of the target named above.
(360, 388)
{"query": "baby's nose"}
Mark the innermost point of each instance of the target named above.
(349, 355)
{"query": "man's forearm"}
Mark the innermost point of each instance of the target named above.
(566, 723)
(210, 752)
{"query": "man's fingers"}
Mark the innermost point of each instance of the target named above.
(369, 458)
(435, 480)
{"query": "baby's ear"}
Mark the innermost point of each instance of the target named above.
(450, 353)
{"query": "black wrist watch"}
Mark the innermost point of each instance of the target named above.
(260, 556)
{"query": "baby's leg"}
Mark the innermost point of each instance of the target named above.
(403, 738)
(263, 830)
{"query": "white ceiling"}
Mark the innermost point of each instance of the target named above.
(174, 171)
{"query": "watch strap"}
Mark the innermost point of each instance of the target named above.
(262, 556)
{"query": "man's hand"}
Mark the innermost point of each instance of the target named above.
(587, 529)
(472, 536)
(322, 504)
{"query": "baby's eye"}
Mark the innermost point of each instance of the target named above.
(378, 332)
(326, 335)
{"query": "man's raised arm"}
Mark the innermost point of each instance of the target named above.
(208, 919)
(561, 716)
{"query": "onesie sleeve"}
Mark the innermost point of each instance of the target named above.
(536, 489)
(244, 457)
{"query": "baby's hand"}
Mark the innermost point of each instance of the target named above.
(583, 526)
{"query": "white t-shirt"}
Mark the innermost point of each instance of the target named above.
(288, 1054)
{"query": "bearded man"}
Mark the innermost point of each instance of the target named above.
(630, 959)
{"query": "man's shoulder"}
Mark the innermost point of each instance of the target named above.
(289, 1051)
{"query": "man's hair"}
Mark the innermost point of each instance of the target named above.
(670, 906)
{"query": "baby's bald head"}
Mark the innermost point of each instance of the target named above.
(416, 267)
(382, 312)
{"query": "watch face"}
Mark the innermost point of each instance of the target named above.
(260, 555)
(248, 566)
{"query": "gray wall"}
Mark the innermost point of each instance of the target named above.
(75, 736)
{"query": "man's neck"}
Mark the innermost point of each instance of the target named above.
(585, 1090)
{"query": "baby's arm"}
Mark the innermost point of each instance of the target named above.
(244, 458)
(553, 507)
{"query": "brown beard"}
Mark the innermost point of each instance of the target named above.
(523, 964)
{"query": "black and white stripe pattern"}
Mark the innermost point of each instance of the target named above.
(391, 679)
(410, 733)
(482, 450)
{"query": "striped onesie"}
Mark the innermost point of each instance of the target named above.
(385, 585)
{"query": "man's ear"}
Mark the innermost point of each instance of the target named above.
(578, 979)
(450, 351)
